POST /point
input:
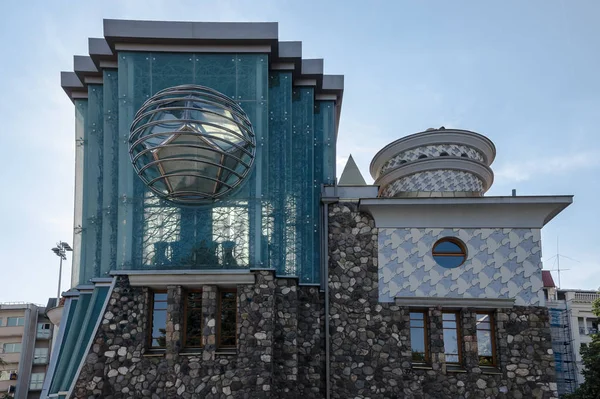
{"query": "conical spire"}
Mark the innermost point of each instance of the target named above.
(351, 176)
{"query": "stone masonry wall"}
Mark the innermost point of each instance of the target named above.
(273, 339)
(370, 341)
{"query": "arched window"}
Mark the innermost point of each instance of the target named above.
(464, 155)
(444, 154)
(422, 156)
(402, 162)
(449, 252)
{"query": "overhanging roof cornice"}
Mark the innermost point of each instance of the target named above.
(478, 212)
(172, 36)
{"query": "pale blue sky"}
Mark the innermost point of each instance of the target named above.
(526, 74)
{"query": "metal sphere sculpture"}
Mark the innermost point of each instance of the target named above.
(191, 144)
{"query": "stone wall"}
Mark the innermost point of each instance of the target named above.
(371, 356)
(274, 337)
(281, 340)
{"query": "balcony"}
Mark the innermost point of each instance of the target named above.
(40, 360)
(43, 334)
(586, 297)
(588, 331)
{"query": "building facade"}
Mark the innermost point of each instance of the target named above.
(215, 255)
(575, 306)
(25, 342)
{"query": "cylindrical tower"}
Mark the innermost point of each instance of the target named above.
(435, 163)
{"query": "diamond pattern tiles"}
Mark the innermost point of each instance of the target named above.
(438, 180)
(429, 151)
(501, 263)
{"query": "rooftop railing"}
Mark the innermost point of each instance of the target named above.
(586, 297)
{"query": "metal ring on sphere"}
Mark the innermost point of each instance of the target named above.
(191, 144)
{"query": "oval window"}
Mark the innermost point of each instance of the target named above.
(449, 252)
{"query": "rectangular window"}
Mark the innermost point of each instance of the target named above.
(5, 375)
(43, 330)
(15, 321)
(486, 345)
(37, 381)
(227, 331)
(451, 333)
(418, 337)
(159, 320)
(12, 348)
(40, 356)
(193, 320)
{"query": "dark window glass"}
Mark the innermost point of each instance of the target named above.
(418, 337)
(449, 252)
(444, 154)
(451, 343)
(159, 320)
(193, 320)
(15, 321)
(228, 322)
(422, 156)
(485, 340)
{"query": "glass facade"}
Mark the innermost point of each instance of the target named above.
(271, 221)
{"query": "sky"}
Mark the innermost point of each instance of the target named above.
(525, 74)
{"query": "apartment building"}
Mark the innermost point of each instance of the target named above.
(25, 342)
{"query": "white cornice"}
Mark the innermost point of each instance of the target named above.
(480, 212)
(482, 303)
(434, 137)
(430, 164)
(186, 278)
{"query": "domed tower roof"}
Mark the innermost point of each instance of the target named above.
(435, 163)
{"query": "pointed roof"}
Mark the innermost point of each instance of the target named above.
(351, 176)
(547, 279)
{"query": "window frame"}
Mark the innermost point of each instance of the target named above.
(45, 357)
(151, 301)
(427, 355)
(458, 336)
(39, 384)
(220, 319)
(185, 320)
(454, 241)
(492, 331)
(13, 351)
(22, 318)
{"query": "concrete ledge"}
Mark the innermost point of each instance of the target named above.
(484, 303)
(186, 278)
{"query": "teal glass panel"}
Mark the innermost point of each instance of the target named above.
(110, 172)
(280, 166)
(58, 354)
(270, 221)
(86, 331)
(303, 179)
(79, 254)
(93, 183)
(70, 341)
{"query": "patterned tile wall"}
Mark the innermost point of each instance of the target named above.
(454, 150)
(435, 180)
(501, 263)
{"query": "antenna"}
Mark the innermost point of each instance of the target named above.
(557, 262)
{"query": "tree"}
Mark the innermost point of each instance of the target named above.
(590, 355)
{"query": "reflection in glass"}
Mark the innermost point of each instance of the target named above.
(193, 321)
(418, 339)
(451, 345)
(159, 320)
(449, 252)
(228, 322)
(485, 340)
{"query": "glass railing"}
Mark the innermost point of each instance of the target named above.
(36, 385)
(40, 360)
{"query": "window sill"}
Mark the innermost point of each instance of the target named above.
(454, 368)
(421, 366)
(191, 352)
(490, 370)
(226, 352)
(154, 353)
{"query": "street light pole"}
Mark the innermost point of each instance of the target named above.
(60, 250)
